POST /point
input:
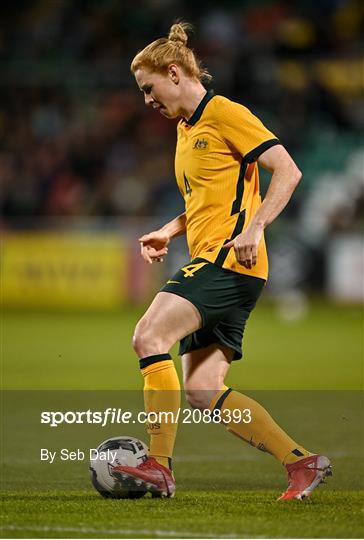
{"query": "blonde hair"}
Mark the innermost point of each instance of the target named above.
(163, 52)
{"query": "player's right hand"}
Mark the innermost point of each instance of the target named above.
(153, 246)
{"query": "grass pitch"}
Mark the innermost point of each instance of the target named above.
(233, 514)
(225, 488)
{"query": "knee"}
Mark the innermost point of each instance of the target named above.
(198, 398)
(147, 340)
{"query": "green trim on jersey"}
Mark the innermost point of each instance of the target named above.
(198, 112)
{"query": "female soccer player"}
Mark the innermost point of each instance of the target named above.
(207, 302)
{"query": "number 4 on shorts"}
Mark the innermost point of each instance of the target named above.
(190, 269)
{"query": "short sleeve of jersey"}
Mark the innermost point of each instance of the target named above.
(241, 130)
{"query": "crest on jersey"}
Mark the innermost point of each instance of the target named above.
(200, 144)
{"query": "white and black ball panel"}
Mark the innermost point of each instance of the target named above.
(98, 486)
(117, 491)
(129, 451)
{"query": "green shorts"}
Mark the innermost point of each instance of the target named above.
(224, 299)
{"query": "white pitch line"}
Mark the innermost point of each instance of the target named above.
(92, 530)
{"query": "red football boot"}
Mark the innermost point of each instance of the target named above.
(305, 475)
(150, 475)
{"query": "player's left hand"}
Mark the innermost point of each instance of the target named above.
(246, 246)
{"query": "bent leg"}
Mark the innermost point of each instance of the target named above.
(204, 373)
(168, 319)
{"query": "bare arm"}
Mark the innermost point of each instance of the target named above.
(176, 227)
(285, 178)
(284, 181)
(153, 246)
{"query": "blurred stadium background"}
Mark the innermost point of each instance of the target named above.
(85, 167)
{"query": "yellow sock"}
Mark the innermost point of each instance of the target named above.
(256, 426)
(161, 394)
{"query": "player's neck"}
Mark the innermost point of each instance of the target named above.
(193, 93)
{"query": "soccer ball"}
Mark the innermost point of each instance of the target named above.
(117, 451)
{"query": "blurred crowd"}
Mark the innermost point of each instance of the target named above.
(75, 136)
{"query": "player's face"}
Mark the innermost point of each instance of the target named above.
(160, 91)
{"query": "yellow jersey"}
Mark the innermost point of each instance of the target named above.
(217, 174)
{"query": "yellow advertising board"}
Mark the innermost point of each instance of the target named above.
(63, 270)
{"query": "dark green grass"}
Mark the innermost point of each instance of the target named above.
(248, 514)
(225, 488)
